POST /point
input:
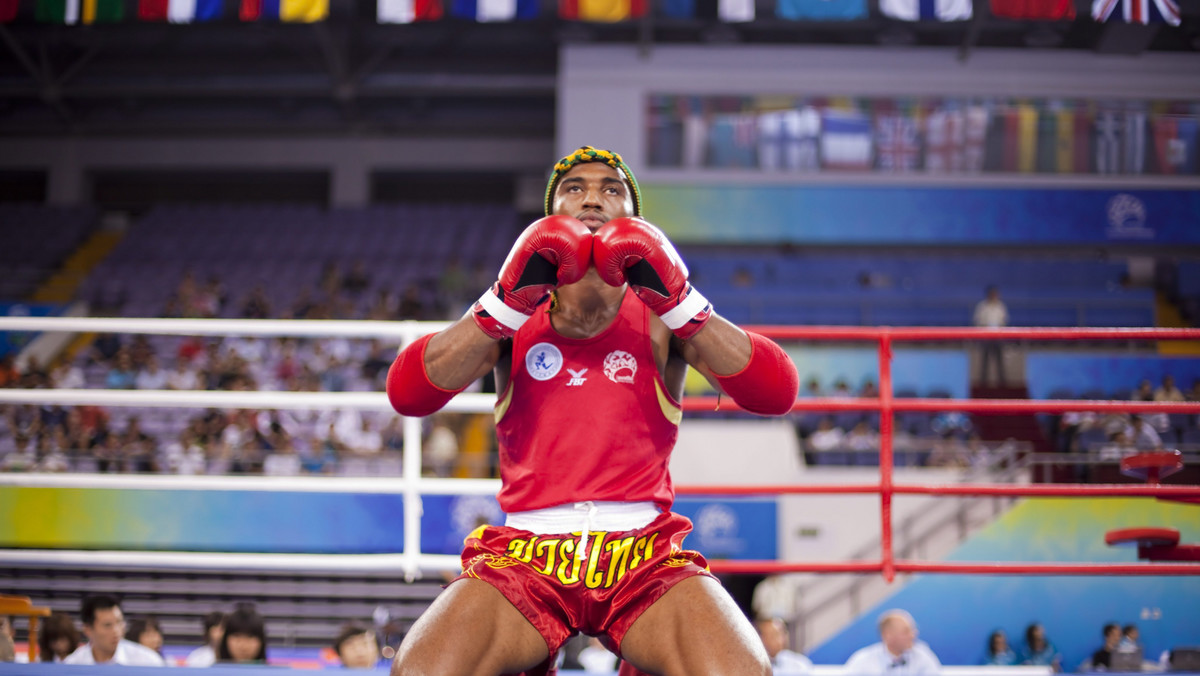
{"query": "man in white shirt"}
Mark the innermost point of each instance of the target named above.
(898, 653)
(104, 626)
(774, 635)
(991, 313)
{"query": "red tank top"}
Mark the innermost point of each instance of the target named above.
(586, 419)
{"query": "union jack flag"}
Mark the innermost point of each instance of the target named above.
(1137, 11)
(896, 142)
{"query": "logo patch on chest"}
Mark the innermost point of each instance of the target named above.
(577, 378)
(620, 366)
(543, 361)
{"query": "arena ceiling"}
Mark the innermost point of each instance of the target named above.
(352, 76)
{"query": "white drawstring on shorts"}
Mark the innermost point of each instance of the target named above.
(589, 513)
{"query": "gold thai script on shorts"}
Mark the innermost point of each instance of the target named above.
(555, 557)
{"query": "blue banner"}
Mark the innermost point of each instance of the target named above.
(732, 528)
(747, 214)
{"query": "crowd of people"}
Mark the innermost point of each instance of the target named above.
(1116, 435)
(105, 635)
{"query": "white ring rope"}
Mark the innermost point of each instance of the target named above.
(363, 401)
(406, 330)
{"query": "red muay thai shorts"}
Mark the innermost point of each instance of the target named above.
(602, 595)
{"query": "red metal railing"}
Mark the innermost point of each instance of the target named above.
(887, 405)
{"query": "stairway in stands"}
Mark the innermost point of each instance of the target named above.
(1167, 315)
(63, 284)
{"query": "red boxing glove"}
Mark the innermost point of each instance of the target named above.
(632, 250)
(553, 251)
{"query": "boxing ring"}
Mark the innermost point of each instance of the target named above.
(413, 562)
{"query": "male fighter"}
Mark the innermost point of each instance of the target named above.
(590, 330)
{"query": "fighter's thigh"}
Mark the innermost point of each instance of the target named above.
(469, 630)
(694, 629)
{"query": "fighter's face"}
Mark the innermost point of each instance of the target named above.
(594, 193)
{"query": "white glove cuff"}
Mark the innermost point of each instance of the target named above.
(681, 314)
(501, 312)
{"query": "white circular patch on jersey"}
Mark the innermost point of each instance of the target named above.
(543, 361)
(620, 366)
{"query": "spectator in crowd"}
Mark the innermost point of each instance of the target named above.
(182, 377)
(357, 647)
(1102, 658)
(104, 348)
(440, 448)
(140, 351)
(991, 313)
(357, 280)
(1129, 639)
(774, 634)
(245, 638)
(826, 437)
(1144, 437)
(596, 659)
(122, 375)
(21, 458)
(214, 631)
(57, 638)
(8, 371)
(152, 377)
(147, 632)
(453, 284)
(1168, 391)
(998, 652)
(862, 439)
(1038, 650)
(8, 637)
(411, 305)
(104, 626)
(256, 305)
(66, 374)
(898, 653)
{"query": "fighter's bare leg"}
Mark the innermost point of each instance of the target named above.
(695, 629)
(470, 630)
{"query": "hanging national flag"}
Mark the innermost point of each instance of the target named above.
(79, 11)
(845, 140)
(976, 136)
(897, 146)
(1027, 118)
(8, 10)
(730, 11)
(1051, 10)
(601, 11)
(926, 10)
(1108, 143)
(945, 141)
(287, 11)
(1134, 152)
(1047, 141)
(731, 141)
(179, 11)
(408, 11)
(1175, 144)
(821, 10)
(494, 10)
(787, 140)
(1137, 11)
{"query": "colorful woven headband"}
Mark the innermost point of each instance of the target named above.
(590, 154)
